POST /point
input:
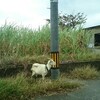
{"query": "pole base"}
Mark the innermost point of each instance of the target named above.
(55, 73)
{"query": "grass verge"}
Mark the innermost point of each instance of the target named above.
(22, 88)
(86, 72)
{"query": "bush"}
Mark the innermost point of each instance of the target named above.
(86, 72)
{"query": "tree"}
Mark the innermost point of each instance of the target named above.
(70, 21)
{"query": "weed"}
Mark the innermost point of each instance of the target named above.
(23, 88)
(86, 72)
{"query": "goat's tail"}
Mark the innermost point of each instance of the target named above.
(34, 66)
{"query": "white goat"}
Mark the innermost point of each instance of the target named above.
(42, 69)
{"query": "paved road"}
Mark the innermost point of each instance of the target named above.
(91, 91)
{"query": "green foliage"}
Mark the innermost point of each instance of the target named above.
(73, 44)
(9, 90)
(23, 88)
(19, 44)
(70, 21)
(23, 41)
(85, 72)
(11, 61)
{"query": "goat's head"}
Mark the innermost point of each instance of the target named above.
(51, 62)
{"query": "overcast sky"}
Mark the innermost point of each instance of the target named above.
(32, 13)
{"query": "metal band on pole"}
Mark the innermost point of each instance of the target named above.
(55, 57)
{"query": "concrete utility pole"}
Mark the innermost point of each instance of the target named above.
(55, 72)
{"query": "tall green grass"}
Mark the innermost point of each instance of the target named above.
(16, 42)
(23, 41)
(73, 43)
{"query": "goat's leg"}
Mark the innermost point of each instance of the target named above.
(43, 77)
(33, 73)
(35, 77)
